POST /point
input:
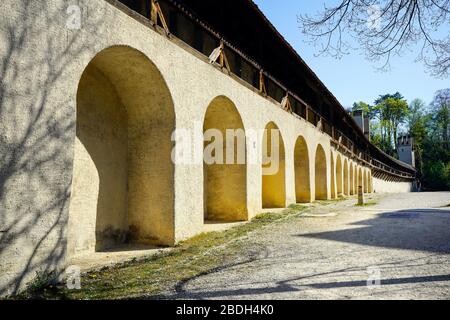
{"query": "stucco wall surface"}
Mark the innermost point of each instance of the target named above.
(382, 186)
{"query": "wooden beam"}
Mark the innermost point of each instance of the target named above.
(286, 104)
(156, 13)
(262, 85)
(219, 53)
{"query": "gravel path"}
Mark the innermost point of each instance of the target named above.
(404, 241)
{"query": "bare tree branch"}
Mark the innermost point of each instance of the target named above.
(385, 28)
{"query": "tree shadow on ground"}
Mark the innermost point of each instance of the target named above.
(412, 229)
(296, 284)
(426, 230)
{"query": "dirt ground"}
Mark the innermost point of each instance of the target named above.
(396, 249)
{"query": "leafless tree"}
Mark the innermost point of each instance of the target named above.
(385, 28)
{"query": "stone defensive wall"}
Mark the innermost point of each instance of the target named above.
(97, 98)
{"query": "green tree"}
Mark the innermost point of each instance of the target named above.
(357, 106)
(417, 125)
(375, 136)
(440, 108)
(398, 109)
(430, 129)
(383, 97)
(391, 110)
(416, 120)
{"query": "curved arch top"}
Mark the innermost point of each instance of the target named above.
(225, 174)
(125, 119)
(230, 108)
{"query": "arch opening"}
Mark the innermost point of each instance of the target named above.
(333, 178)
(225, 174)
(321, 174)
(339, 175)
(302, 176)
(123, 175)
(366, 182)
(273, 175)
(346, 181)
(352, 185)
(360, 180)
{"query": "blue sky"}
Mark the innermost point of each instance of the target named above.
(352, 78)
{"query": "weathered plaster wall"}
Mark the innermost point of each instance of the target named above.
(382, 186)
(161, 86)
(99, 185)
(40, 63)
